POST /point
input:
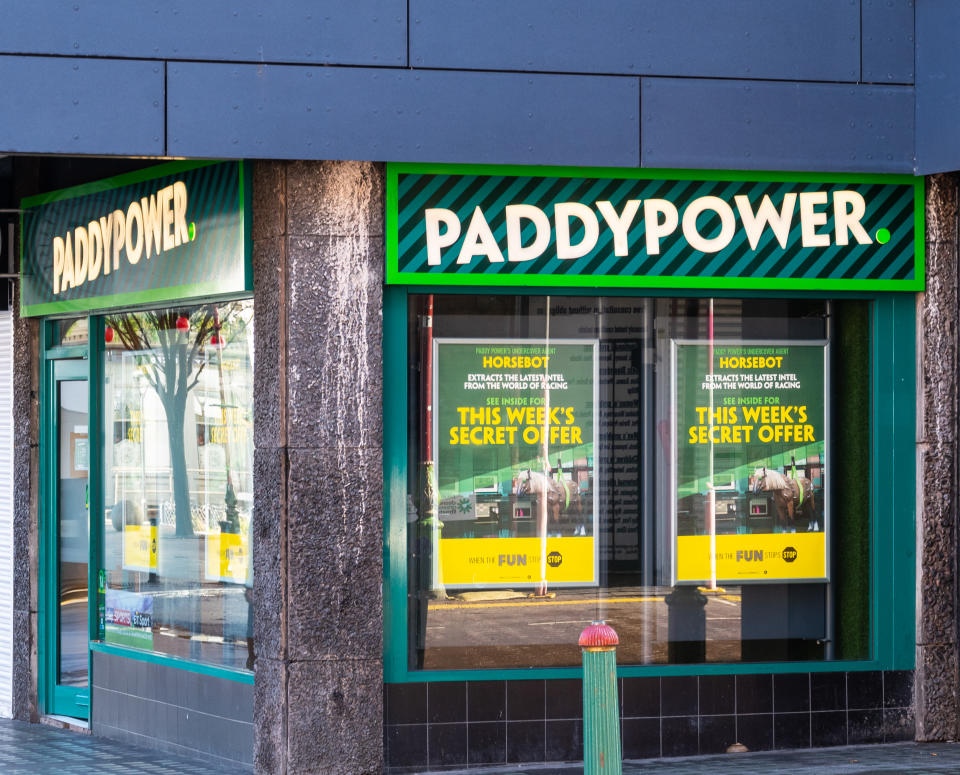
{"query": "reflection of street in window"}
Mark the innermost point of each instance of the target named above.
(178, 480)
(688, 501)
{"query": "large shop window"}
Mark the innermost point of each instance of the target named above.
(178, 482)
(695, 471)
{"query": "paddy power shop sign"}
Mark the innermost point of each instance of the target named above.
(514, 431)
(505, 226)
(168, 233)
(750, 461)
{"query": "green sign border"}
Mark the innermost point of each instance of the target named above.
(395, 277)
(139, 298)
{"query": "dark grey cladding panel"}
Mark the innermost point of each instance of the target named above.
(716, 124)
(788, 39)
(888, 41)
(938, 87)
(81, 106)
(163, 683)
(401, 115)
(425, 728)
(369, 32)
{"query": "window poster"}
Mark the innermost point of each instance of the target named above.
(514, 428)
(128, 619)
(750, 446)
(79, 453)
(226, 558)
(140, 548)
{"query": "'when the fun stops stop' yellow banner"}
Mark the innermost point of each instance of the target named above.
(759, 557)
(483, 561)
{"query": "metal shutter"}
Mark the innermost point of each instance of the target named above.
(6, 513)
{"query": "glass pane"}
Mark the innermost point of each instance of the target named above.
(178, 486)
(73, 532)
(69, 332)
(573, 458)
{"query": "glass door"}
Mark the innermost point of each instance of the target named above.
(67, 531)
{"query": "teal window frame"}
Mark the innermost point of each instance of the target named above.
(51, 697)
(892, 482)
(92, 357)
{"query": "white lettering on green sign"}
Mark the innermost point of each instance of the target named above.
(152, 225)
(661, 218)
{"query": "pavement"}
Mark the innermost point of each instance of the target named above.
(900, 758)
(35, 749)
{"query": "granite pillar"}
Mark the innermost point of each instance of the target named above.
(318, 515)
(26, 381)
(937, 687)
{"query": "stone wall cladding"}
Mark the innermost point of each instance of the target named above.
(937, 685)
(318, 273)
(25, 464)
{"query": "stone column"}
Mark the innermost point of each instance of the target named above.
(318, 514)
(26, 459)
(26, 381)
(936, 685)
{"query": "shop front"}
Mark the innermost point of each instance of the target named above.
(681, 402)
(142, 288)
(525, 399)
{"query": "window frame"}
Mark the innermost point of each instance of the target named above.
(91, 354)
(892, 506)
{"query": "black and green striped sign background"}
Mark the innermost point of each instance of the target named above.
(214, 262)
(890, 205)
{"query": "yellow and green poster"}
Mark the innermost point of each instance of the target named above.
(750, 431)
(140, 548)
(514, 431)
(227, 558)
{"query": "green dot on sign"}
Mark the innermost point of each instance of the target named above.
(193, 232)
(883, 236)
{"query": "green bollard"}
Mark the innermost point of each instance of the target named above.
(601, 709)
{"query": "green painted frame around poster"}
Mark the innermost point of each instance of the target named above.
(893, 507)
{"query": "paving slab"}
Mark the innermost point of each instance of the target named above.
(901, 758)
(36, 749)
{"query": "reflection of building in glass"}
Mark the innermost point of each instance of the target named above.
(178, 476)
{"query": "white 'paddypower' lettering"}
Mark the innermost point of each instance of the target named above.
(661, 217)
(152, 225)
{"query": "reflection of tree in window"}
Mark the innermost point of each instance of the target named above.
(173, 342)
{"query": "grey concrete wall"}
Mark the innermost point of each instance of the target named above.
(318, 266)
(168, 709)
(937, 686)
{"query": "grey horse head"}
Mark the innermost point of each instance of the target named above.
(758, 479)
(523, 482)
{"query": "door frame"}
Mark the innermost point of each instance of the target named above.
(65, 364)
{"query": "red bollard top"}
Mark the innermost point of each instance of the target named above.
(598, 635)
